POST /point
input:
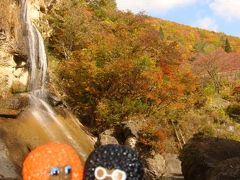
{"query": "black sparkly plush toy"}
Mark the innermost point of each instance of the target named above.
(114, 162)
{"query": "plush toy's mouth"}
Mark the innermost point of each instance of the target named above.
(101, 173)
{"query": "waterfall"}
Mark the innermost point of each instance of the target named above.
(36, 53)
(57, 128)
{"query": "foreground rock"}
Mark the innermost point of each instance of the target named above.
(7, 168)
(210, 158)
(163, 167)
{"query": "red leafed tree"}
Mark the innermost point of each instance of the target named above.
(210, 64)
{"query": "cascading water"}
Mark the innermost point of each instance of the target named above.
(36, 53)
(41, 112)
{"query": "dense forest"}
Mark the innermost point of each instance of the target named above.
(112, 66)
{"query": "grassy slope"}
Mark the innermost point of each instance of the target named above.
(188, 36)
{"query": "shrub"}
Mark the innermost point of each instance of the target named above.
(234, 111)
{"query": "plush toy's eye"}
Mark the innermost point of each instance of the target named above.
(54, 171)
(119, 174)
(67, 169)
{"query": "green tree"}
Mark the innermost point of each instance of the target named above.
(103, 8)
(161, 32)
(199, 46)
(227, 46)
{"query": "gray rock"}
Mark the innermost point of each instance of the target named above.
(131, 142)
(131, 128)
(155, 167)
(173, 164)
(163, 167)
(107, 138)
(7, 168)
(54, 100)
(173, 168)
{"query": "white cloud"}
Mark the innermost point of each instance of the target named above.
(206, 23)
(151, 5)
(229, 9)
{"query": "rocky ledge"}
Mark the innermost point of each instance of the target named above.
(13, 106)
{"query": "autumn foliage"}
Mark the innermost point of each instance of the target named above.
(113, 64)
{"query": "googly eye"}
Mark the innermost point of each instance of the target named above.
(54, 171)
(67, 169)
(100, 173)
(119, 175)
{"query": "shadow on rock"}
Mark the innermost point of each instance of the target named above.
(210, 158)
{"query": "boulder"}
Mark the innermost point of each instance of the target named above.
(107, 137)
(206, 158)
(155, 167)
(53, 99)
(228, 169)
(128, 132)
(132, 128)
(163, 167)
(173, 168)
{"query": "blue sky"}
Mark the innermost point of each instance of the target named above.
(216, 15)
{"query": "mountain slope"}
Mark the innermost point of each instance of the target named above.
(193, 39)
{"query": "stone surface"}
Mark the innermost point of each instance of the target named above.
(53, 99)
(107, 138)
(172, 166)
(228, 169)
(131, 142)
(163, 167)
(18, 72)
(6, 70)
(7, 168)
(131, 128)
(20, 83)
(17, 102)
(204, 157)
(155, 167)
(9, 113)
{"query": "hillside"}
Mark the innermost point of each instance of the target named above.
(113, 68)
(193, 39)
(130, 79)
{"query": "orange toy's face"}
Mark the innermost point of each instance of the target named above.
(51, 162)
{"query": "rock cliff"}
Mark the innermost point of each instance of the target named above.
(13, 57)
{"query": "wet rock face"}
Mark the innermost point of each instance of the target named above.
(11, 41)
(13, 51)
(210, 158)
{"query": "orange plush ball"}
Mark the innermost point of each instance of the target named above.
(42, 162)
